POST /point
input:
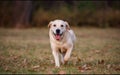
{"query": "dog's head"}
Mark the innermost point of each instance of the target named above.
(58, 28)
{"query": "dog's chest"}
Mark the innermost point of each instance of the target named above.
(62, 49)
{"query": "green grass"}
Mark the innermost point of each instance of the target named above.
(28, 51)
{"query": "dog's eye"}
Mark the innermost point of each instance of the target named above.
(54, 25)
(61, 25)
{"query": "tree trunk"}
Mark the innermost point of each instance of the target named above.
(21, 14)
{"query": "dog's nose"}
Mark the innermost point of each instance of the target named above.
(58, 31)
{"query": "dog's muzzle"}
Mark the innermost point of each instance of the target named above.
(57, 35)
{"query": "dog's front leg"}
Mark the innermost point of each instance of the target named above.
(56, 57)
(67, 55)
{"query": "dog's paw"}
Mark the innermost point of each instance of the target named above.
(57, 66)
(65, 62)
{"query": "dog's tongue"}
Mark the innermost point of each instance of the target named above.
(57, 37)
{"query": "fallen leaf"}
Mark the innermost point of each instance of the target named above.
(81, 69)
(50, 72)
(35, 67)
(62, 72)
(75, 62)
(1, 57)
(91, 59)
(108, 66)
(84, 68)
(78, 58)
(117, 69)
(6, 68)
(101, 62)
(97, 51)
(24, 62)
(52, 61)
(15, 57)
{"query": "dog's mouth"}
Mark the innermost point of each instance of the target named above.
(58, 36)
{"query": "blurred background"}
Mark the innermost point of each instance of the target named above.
(24, 37)
(30, 13)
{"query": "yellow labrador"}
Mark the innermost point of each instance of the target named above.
(61, 39)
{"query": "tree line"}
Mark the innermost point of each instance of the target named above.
(30, 13)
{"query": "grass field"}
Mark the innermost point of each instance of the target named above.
(96, 51)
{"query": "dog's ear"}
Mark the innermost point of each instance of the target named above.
(50, 23)
(67, 25)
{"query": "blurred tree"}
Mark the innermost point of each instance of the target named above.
(114, 4)
(21, 13)
(5, 13)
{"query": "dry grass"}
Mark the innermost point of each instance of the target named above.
(96, 51)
